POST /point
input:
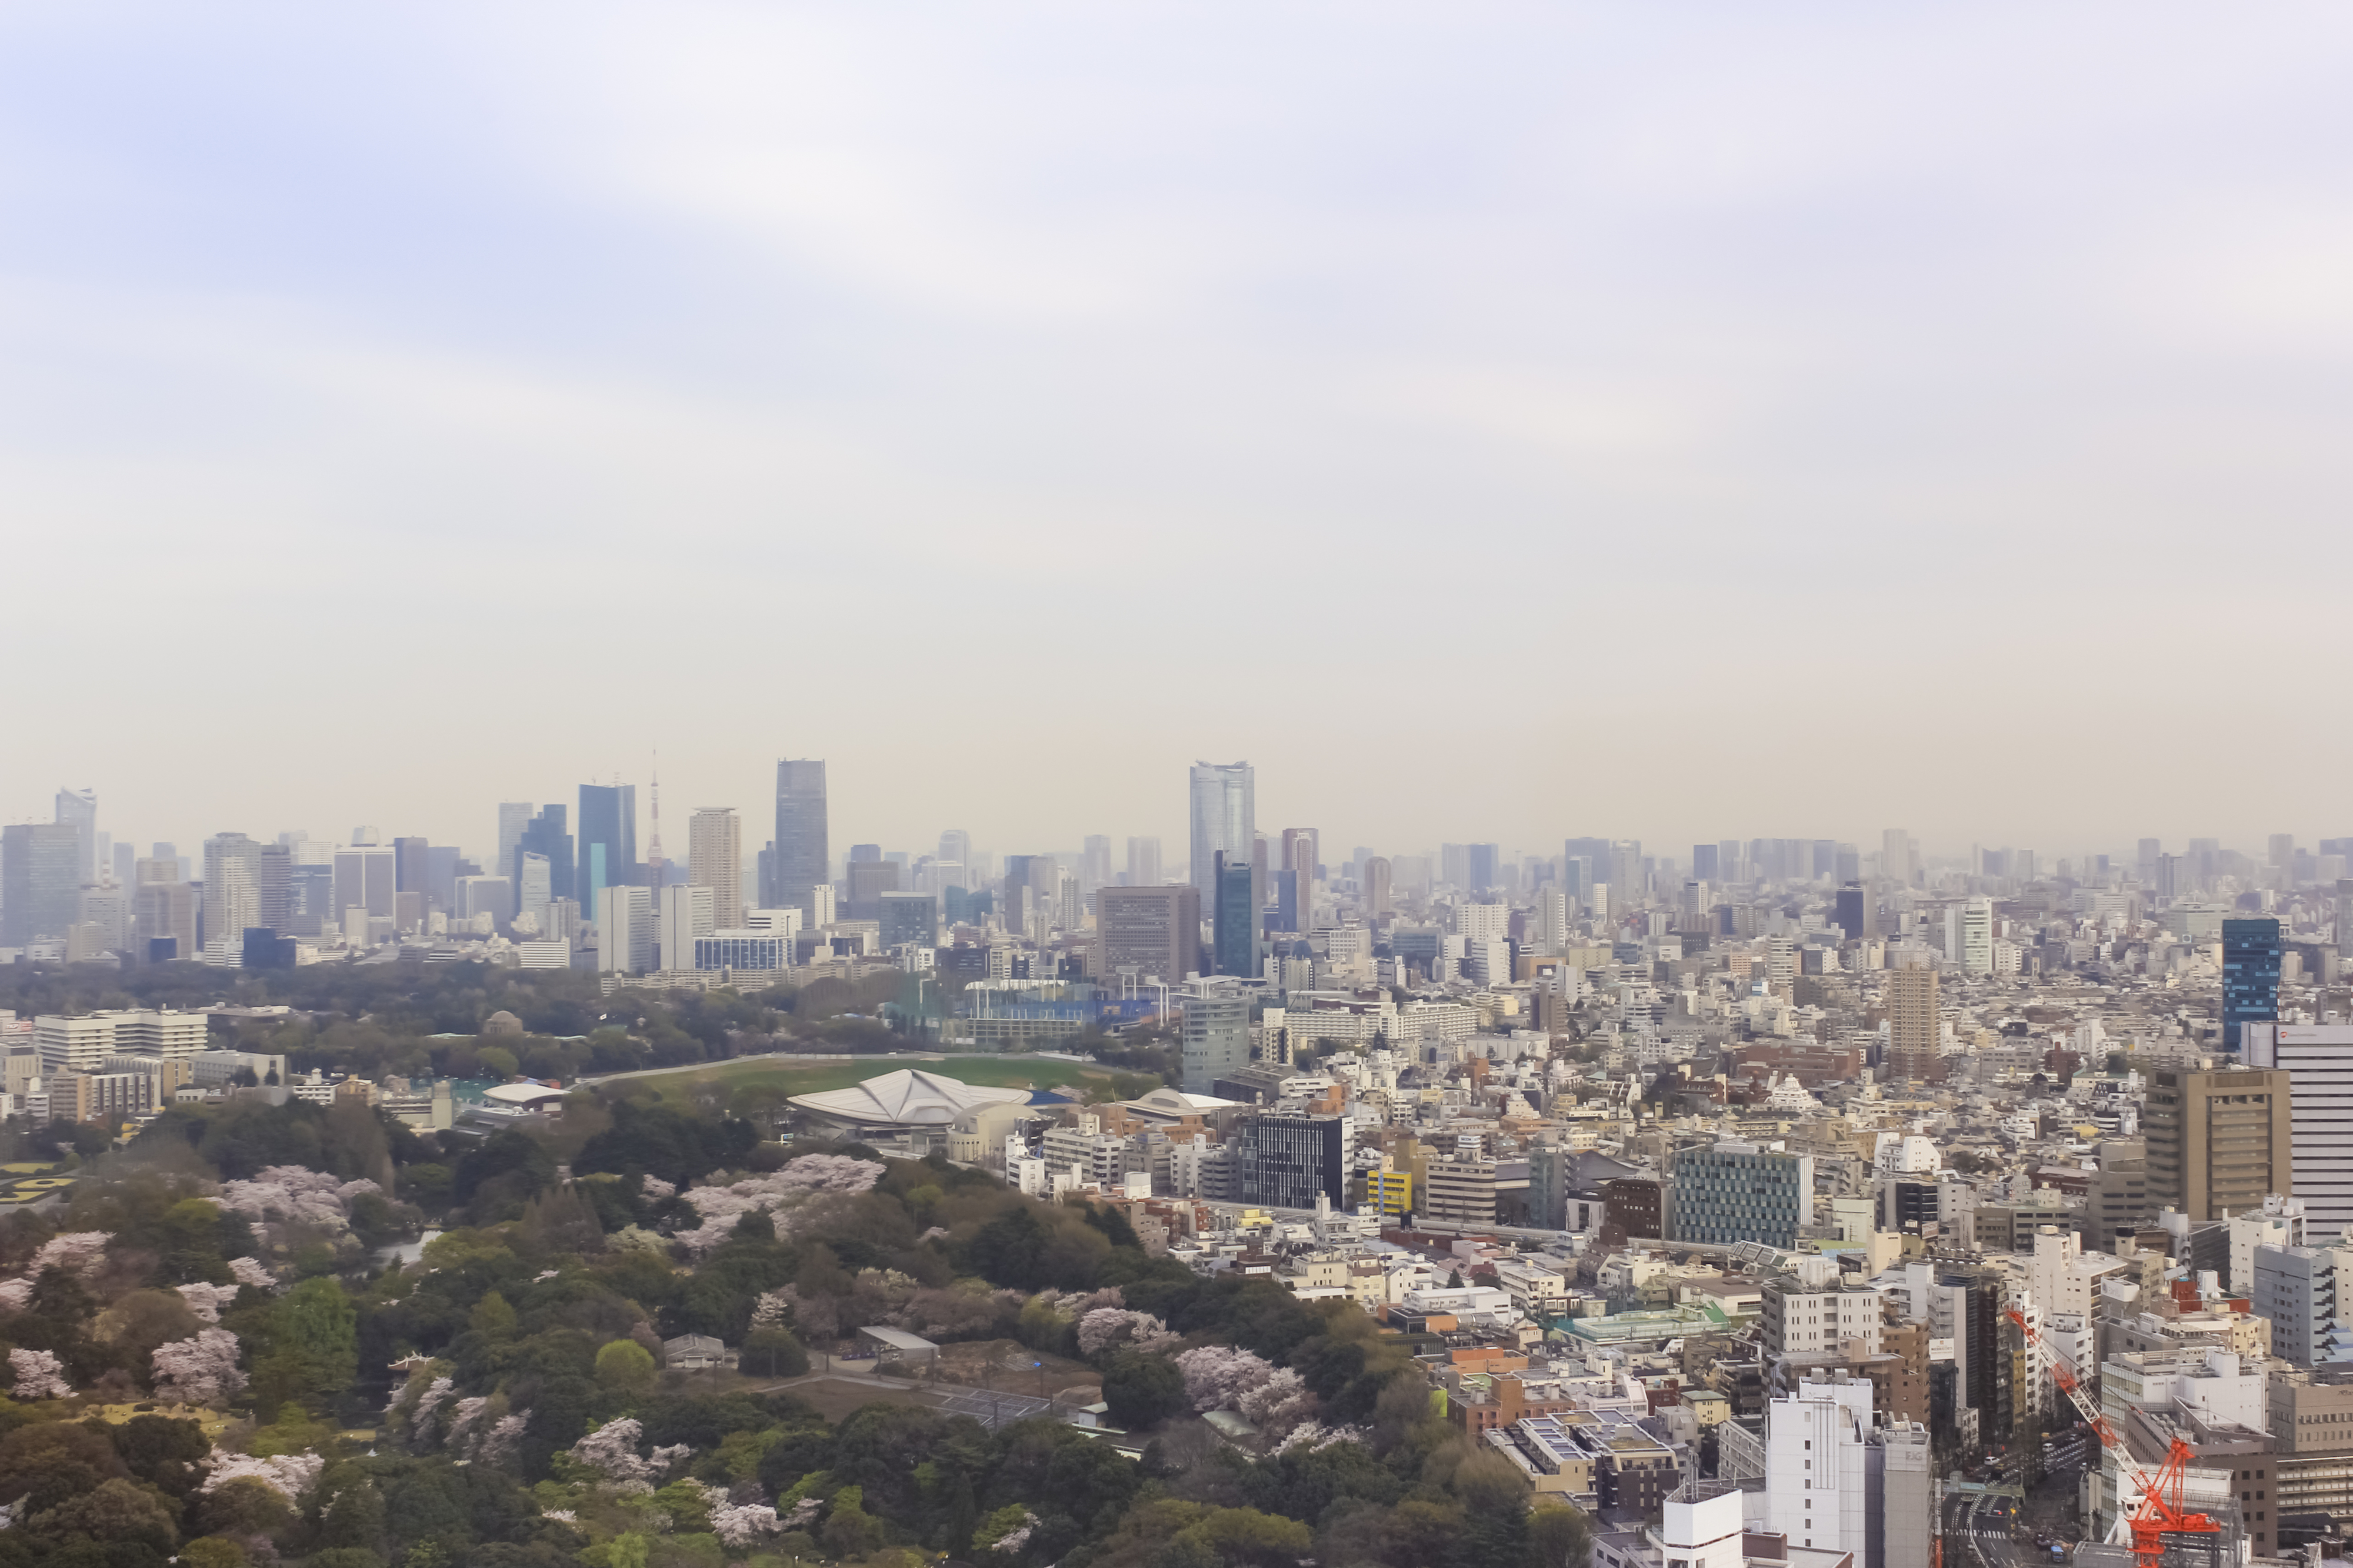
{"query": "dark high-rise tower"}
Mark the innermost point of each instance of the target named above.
(2251, 975)
(801, 860)
(609, 842)
(1235, 914)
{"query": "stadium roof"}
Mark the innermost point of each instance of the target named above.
(904, 1099)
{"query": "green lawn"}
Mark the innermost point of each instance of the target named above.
(993, 1071)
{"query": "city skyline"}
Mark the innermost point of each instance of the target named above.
(487, 837)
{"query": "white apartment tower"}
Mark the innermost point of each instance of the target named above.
(714, 859)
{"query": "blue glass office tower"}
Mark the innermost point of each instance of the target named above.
(2251, 975)
(1235, 944)
(609, 842)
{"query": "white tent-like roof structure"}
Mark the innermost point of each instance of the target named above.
(907, 1098)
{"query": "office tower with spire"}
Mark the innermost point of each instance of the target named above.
(801, 860)
(1224, 804)
(714, 859)
(609, 842)
(77, 808)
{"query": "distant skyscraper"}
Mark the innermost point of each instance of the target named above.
(1895, 857)
(955, 845)
(1706, 858)
(412, 865)
(802, 859)
(537, 873)
(625, 930)
(1224, 820)
(365, 878)
(609, 842)
(2251, 975)
(1235, 913)
(275, 888)
(77, 808)
(714, 859)
(1626, 879)
(1144, 864)
(514, 819)
(1376, 884)
(869, 880)
(2345, 917)
(232, 888)
(1914, 1028)
(1479, 866)
(40, 881)
(685, 917)
(547, 837)
(1300, 847)
(1969, 935)
(1855, 910)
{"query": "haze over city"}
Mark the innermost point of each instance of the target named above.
(1496, 426)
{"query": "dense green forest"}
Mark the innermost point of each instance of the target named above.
(216, 1353)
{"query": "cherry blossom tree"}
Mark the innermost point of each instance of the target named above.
(251, 1271)
(1216, 1376)
(291, 1474)
(611, 1452)
(76, 1252)
(1313, 1435)
(38, 1374)
(1278, 1405)
(718, 1206)
(1107, 1327)
(199, 1371)
(206, 1300)
(15, 1294)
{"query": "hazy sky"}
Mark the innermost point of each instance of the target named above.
(1493, 422)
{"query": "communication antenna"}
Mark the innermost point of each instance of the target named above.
(656, 868)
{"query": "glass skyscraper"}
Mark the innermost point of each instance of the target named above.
(1235, 912)
(2251, 975)
(800, 860)
(609, 842)
(1225, 820)
(545, 837)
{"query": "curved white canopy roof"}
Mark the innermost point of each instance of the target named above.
(907, 1098)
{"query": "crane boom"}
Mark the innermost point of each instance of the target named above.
(2159, 1511)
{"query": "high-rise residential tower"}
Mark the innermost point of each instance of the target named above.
(1224, 801)
(232, 888)
(1299, 854)
(714, 859)
(801, 860)
(77, 808)
(609, 842)
(1914, 1028)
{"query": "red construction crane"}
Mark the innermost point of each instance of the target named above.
(2159, 1512)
